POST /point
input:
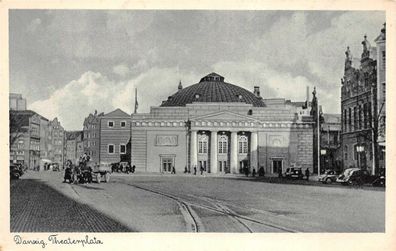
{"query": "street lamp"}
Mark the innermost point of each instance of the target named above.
(359, 150)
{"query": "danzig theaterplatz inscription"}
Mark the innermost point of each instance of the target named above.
(54, 239)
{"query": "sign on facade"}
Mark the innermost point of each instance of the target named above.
(166, 140)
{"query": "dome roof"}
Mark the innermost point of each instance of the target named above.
(212, 88)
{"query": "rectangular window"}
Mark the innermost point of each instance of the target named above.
(383, 60)
(355, 118)
(110, 148)
(122, 148)
(110, 124)
(123, 123)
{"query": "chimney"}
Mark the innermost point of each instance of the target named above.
(257, 91)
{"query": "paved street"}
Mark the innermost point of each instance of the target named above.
(179, 203)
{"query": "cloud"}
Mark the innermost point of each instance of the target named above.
(121, 70)
(94, 91)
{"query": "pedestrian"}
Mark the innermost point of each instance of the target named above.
(201, 170)
(133, 168)
(307, 173)
(246, 169)
(195, 170)
(185, 169)
(173, 170)
(254, 172)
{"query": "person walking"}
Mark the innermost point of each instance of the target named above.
(254, 172)
(202, 170)
(195, 170)
(307, 173)
(173, 170)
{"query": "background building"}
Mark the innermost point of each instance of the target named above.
(16, 102)
(115, 133)
(56, 138)
(91, 137)
(381, 95)
(25, 138)
(74, 145)
(359, 111)
(222, 128)
(330, 142)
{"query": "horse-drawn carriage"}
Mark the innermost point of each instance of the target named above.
(87, 172)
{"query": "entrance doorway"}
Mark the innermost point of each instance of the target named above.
(223, 167)
(242, 165)
(277, 166)
(202, 165)
(167, 163)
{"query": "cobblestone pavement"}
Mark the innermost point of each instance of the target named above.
(37, 207)
(179, 203)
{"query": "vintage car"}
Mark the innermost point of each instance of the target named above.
(294, 173)
(328, 177)
(100, 172)
(354, 176)
(16, 171)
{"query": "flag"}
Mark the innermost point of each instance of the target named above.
(136, 102)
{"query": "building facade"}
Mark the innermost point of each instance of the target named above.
(91, 135)
(359, 111)
(74, 145)
(330, 142)
(56, 138)
(16, 102)
(381, 96)
(115, 133)
(221, 128)
(25, 138)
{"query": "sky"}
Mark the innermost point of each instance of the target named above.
(69, 63)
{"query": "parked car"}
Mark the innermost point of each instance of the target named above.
(16, 171)
(328, 177)
(354, 176)
(294, 173)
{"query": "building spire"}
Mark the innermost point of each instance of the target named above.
(180, 86)
(348, 58)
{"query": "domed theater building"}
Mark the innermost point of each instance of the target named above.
(222, 128)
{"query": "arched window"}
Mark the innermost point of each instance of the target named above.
(223, 144)
(243, 144)
(202, 143)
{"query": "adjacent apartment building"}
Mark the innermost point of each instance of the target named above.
(115, 133)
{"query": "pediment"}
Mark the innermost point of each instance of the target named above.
(224, 116)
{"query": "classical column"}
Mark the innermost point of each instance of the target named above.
(193, 150)
(253, 151)
(213, 152)
(234, 153)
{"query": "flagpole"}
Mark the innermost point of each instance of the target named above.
(135, 111)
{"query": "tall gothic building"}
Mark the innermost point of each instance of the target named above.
(359, 107)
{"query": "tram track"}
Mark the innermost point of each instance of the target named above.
(193, 219)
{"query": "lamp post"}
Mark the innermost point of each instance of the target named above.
(359, 150)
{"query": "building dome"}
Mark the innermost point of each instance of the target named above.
(212, 88)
